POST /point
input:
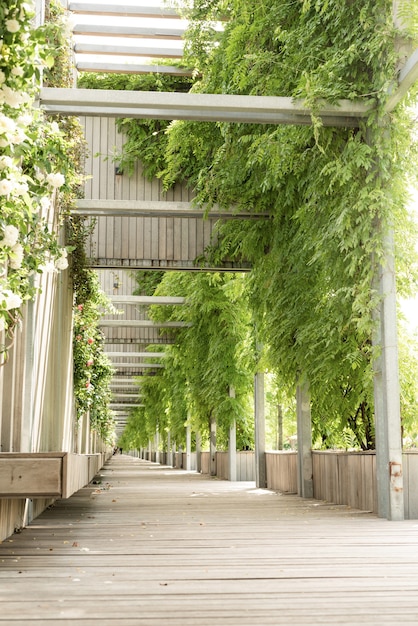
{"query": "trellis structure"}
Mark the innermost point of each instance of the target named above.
(99, 105)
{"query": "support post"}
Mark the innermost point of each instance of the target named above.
(198, 453)
(390, 495)
(157, 446)
(212, 446)
(304, 427)
(169, 459)
(188, 448)
(232, 445)
(260, 432)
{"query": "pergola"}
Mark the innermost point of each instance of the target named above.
(230, 108)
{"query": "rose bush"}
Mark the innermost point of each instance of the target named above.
(34, 167)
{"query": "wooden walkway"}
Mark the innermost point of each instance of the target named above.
(150, 545)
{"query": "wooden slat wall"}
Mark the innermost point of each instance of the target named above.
(142, 242)
(282, 471)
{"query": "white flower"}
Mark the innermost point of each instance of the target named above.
(16, 256)
(7, 125)
(12, 98)
(21, 188)
(48, 267)
(25, 119)
(45, 203)
(10, 236)
(6, 162)
(6, 187)
(55, 180)
(12, 26)
(62, 262)
(2, 76)
(18, 136)
(55, 128)
(11, 300)
(17, 71)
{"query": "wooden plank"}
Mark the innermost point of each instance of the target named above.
(194, 106)
(124, 10)
(154, 545)
(110, 67)
(30, 475)
(137, 32)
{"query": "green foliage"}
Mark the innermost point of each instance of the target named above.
(332, 193)
(92, 368)
(147, 282)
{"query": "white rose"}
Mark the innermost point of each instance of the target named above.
(6, 162)
(10, 236)
(16, 257)
(6, 187)
(12, 26)
(55, 180)
(7, 125)
(18, 136)
(25, 119)
(48, 267)
(61, 263)
(17, 71)
(11, 300)
(12, 98)
(21, 188)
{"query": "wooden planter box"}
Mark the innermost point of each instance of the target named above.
(46, 474)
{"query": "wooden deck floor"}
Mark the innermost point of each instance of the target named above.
(150, 545)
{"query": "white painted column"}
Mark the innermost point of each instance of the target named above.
(304, 427)
(212, 444)
(157, 446)
(169, 459)
(188, 448)
(232, 455)
(198, 453)
(389, 472)
(260, 432)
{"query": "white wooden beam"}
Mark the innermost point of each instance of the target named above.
(408, 76)
(141, 324)
(137, 365)
(147, 300)
(136, 355)
(109, 67)
(154, 208)
(192, 106)
(152, 51)
(138, 32)
(123, 10)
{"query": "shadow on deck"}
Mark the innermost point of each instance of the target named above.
(149, 545)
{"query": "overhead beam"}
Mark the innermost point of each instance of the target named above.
(136, 355)
(147, 300)
(193, 106)
(154, 366)
(141, 324)
(123, 10)
(139, 32)
(130, 68)
(407, 77)
(154, 52)
(157, 208)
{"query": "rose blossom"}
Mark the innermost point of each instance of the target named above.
(55, 180)
(13, 98)
(6, 187)
(11, 300)
(16, 257)
(12, 26)
(10, 236)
